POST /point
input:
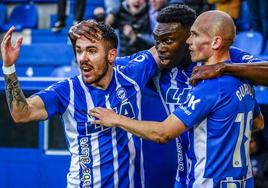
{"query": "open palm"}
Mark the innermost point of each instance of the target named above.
(10, 53)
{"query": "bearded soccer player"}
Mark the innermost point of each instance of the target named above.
(101, 156)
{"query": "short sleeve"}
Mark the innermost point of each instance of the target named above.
(124, 60)
(141, 69)
(200, 102)
(55, 98)
(239, 56)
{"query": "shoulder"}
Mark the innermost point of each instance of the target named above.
(141, 57)
(239, 56)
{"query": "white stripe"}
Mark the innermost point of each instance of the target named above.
(173, 83)
(132, 153)
(142, 168)
(94, 140)
(70, 126)
(131, 142)
(114, 143)
(200, 151)
(115, 154)
(157, 84)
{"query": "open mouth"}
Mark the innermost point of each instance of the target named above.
(136, 6)
(163, 57)
(86, 68)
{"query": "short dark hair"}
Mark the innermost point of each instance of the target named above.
(177, 13)
(108, 34)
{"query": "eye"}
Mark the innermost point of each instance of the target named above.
(168, 41)
(78, 51)
(92, 51)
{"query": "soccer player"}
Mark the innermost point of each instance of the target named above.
(101, 156)
(219, 113)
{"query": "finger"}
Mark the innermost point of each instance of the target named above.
(195, 69)
(192, 82)
(95, 110)
(9, 32)
(94, 114)
(19, 42)
(6, 40)
(72, 34)
(90, 33)
(95, 122)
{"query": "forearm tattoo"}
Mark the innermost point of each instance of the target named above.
(14, 93)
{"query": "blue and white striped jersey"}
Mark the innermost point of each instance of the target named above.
(101, 156)
(173, 87)
(219, 114)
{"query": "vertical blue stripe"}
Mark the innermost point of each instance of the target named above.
(106, 156)
(123, 157)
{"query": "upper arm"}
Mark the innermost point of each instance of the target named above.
(37, 108)
(141, 69)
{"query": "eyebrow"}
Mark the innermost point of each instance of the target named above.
(163, 35)
(87, 47)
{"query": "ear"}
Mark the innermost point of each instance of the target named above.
(216, 42)
(112, 54)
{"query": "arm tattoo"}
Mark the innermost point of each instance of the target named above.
(14, 93)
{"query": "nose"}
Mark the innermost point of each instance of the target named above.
(189, 40)
(83, 57)
(161, 48)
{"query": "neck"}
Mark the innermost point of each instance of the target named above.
(217, 57)
(104, 82)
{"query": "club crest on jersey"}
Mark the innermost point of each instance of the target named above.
(121, 93)
(140, 58)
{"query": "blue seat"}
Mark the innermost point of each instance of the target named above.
(42, 59)
(47, 36)
(65, 71)
(243, 21)
(22, 16)
(46, 54)
(249, 41)
(3, 14)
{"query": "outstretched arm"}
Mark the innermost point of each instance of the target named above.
(21, 109)
(257, 73)
(160, 132)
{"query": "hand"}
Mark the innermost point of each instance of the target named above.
(104, 116)
(87, 29)
(10, 53)
(129, 32)
(206, 72)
